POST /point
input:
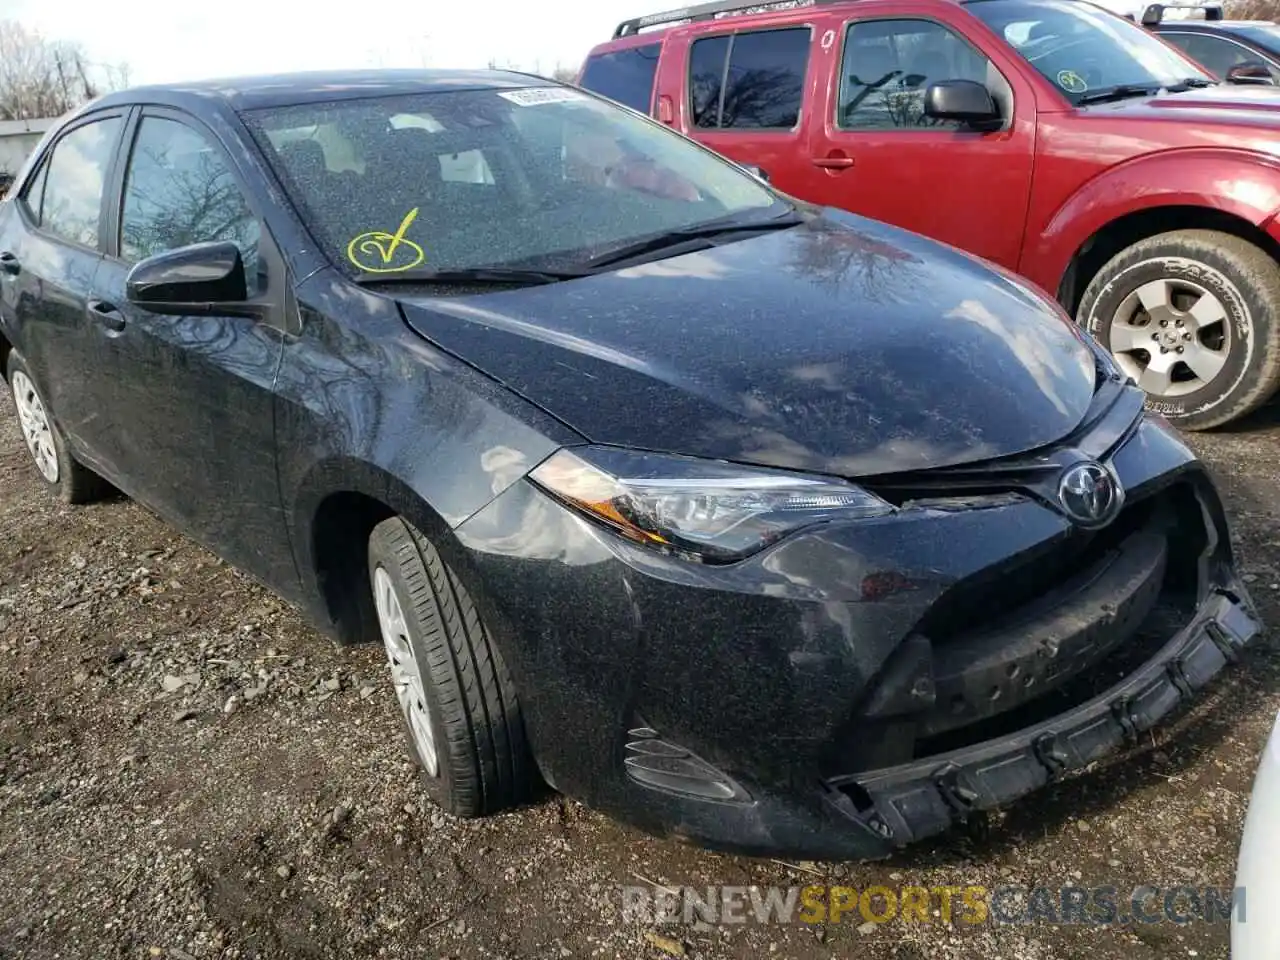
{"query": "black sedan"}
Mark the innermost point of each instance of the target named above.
(755, 523)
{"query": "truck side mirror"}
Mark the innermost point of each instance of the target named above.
(964, 100)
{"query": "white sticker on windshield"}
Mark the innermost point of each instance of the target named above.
(533, 96)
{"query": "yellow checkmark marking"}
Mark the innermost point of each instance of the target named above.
(375, 250)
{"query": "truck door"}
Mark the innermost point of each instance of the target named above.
(745, 94)
(874, 152)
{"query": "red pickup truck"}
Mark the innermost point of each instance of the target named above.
(1052, 137)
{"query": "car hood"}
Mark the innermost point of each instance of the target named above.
(843, 346)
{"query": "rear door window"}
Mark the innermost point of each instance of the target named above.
(624, 75)
(33, 196)
(749, 80)
(706, 79)
(72, 201)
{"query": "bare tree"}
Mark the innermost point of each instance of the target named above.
(46, 78)
(1254, 9)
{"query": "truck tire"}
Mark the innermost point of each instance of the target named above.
(1194, 317)
(65, 477)
(459, 707)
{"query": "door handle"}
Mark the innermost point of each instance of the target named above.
(835, 162)
(107, 314)
(9, 263)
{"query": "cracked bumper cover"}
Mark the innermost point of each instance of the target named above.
(760, 680)
(917, 800)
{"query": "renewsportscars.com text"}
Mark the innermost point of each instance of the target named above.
(971, 904)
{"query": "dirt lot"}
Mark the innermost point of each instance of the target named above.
(188, 771)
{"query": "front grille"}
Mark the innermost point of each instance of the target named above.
(1005, 650)
(1166, 617)
(969, 606)
(1049, 640)
(1154, 614)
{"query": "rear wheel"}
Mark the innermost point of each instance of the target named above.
(70, 480)
(1194, 317)
(461, 715)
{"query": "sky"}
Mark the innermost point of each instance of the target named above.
(165, 41)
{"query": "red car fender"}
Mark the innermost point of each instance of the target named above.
(1242, 183)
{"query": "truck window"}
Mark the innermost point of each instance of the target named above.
(625, 76)
(763, 87)
(888, 65)
(706, 76)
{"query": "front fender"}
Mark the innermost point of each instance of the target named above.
(1242, 183)
(366, 406)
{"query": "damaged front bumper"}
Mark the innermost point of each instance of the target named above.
(907, 803)
(861, 686)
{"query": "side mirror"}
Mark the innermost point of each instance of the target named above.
(758, 172)
(964, 100)
(1253, 72)
(200, 278)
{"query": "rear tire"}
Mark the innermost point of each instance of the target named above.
(61, 473)
(461, 715)
(1194, 317)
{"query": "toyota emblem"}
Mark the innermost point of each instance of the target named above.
(1090, 494)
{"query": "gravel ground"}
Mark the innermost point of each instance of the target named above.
(186, 770)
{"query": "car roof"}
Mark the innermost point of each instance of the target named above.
(287, 89)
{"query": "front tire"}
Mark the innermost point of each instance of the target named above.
(1194, 317)
(61, 473)
(461, 715)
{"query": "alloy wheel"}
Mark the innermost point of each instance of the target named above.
(1172, 336)
(406, 672)
(35, 425)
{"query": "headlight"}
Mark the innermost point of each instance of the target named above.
(718, 512)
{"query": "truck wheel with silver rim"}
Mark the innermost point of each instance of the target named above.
(69, 479)
(1193, 316)
(459, 708)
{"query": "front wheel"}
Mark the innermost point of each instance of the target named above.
(461, 716)
(1193, 316)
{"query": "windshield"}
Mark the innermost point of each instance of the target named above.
(1083, 49)
(1264, 34)
(460, 180)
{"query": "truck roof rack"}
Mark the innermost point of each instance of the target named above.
(1154, 13)
(710, 11)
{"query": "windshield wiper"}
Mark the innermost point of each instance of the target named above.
(1190, 83)
(1121, 91)
(703, 231)
(482, 276)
